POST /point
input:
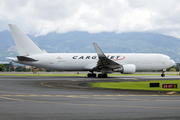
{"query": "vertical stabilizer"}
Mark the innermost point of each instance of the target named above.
(23, 43)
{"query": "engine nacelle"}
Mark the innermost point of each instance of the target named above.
(126, 69)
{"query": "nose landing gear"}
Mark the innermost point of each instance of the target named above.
(163, 71)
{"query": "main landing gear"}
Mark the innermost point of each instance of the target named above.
(104, 75)
(163, 71)
(91, 75)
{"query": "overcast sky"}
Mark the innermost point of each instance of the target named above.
(40, 17)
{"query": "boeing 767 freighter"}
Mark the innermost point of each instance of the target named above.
(30, 54)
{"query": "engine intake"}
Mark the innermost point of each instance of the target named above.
(126, 69)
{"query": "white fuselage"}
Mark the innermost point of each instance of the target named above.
(87, 61)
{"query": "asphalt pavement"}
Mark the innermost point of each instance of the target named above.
(41, 98)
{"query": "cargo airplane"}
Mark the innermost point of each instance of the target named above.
(31, 54)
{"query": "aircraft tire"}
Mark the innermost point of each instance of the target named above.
(162, 75)
(100, 75)
(89, 75)
(94, 75)
(104, 75)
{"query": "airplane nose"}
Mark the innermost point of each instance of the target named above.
(172, 62)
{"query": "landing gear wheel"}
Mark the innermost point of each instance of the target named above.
(91, 75)
(94, 75)
(99, 75)
(162, 75)
(104, 75)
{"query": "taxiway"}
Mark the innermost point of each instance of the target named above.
(71, 98)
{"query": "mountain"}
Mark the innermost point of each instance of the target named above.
(109, 42)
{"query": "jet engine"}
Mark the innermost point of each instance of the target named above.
(126, 69)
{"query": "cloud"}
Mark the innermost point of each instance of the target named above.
(40, 17)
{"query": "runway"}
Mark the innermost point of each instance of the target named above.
(71, 98)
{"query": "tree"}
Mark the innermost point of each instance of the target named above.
(2, 68)
(19, 68)
(172, 69)
(9, 67)
(177, 67)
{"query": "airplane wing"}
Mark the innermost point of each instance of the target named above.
(104, 62)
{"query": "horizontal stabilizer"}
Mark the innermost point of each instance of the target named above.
(11, 58)
(24, 58)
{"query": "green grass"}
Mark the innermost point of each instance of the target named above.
(138, 74)
(137, 85)
(60, 74)
(43, 75)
